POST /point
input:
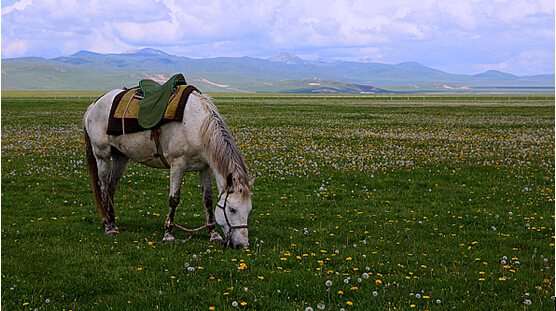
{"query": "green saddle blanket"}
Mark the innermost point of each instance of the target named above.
(155, 99)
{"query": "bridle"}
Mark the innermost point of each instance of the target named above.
(223, 207)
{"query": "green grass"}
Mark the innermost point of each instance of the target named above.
(426, 200)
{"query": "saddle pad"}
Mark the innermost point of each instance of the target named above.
(174, 111)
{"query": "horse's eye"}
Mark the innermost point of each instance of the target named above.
(233, 210)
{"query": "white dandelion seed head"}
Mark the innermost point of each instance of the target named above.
(321, 306)
(527, 302)
(328, 283)
(418, 296)
(365, 275)
(375, 293)
(438, 301)
(503, 262)
(186, 264)
(234, 304)
(359, 280)
(346, 281)
(308, 309)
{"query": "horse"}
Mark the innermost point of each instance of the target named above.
(201, 142)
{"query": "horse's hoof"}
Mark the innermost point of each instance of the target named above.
(216, 238)
(168, 238)
(111, 231)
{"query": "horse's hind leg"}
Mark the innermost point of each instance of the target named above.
(108, 179)
(108, 221)
(119, 163)
(206, 182)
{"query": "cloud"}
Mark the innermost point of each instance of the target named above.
(438, 33)
(326, 27)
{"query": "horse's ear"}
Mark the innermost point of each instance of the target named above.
(229, 181)
(252, 182)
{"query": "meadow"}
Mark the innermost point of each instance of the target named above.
(357, 206)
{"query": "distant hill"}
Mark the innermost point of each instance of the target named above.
(230, 70)
(287, 58)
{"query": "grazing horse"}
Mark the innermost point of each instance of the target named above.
(201, 142)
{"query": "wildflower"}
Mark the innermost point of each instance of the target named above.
(328, 283)
(375, 293)
(359, 280)
(308, 309)
(346, 281)
(321, 306)
(418, 296)
(438, 301)
(365, 275)
(527, 302)
(349, 303)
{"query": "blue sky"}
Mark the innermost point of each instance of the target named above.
(459, 36)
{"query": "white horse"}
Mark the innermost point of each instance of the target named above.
(201, 142)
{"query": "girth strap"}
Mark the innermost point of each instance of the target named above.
(155, 134)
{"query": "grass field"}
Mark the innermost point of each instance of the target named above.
(357, 206)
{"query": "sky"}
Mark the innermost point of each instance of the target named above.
(456, 36)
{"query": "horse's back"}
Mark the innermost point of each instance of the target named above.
(95, 121)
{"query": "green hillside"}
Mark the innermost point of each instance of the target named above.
(39, 76)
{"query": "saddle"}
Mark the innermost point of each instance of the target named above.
(155, 99)
(144, 107)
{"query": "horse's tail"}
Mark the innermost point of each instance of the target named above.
(93, 173)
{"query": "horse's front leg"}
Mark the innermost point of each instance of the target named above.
(176, 177)
(206, 183)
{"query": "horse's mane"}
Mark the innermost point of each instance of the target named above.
(225, 156)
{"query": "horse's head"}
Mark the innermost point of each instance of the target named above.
(232, 212)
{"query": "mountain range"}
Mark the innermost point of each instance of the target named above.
(281, 73)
